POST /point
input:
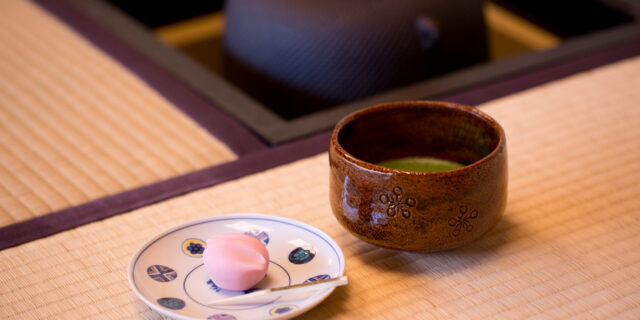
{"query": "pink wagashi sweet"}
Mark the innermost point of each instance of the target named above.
(235, 261)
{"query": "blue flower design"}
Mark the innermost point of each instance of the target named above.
(195, 248)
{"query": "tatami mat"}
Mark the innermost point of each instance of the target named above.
(567, 247)
(75, 125)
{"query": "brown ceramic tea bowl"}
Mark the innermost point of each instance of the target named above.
(410, 210)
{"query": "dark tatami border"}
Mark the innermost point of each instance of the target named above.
(55, 222)
(263, 158)
(277, 130)
(594, 59)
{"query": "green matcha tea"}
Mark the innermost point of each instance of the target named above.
(421, 164)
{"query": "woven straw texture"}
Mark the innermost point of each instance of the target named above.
(75, 125)
(566, 248)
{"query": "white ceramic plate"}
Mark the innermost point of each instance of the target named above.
(168, 274)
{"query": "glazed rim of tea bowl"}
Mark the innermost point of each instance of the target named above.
(418, 128)
(499, 139)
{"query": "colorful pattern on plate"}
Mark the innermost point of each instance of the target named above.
(178, 285)
(260, 235)
(161, 273)
(301, 255)
(282, 309)
(221, 316)
(193, 247)
(213, 286)
(171, 303)
(318, 278)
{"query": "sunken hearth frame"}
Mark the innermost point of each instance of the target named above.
(274, 129)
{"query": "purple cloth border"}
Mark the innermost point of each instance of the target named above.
(218, 123)
(256, 156)
(52, 223)
(532, 78)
